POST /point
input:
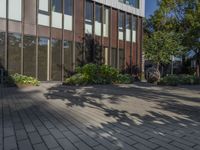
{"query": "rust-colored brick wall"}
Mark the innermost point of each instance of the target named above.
(30, 17)
(114, 28)
(79, 19)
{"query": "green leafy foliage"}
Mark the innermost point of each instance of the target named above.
(18, 79)
(160, 46)
(174, 80)
(97, 74)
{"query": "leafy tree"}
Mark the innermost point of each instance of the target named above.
(160, 46)
(184, 18)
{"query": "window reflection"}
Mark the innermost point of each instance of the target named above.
(14, 53)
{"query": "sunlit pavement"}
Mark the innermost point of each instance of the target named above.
(138, 117)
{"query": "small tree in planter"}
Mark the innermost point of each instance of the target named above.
(160, 46)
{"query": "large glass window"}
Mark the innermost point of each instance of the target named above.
(14, 53)
(43, 15)
(105, 56)
(29, 55)
(88, 17)
(134, 24)
(57, 13)
(43, 61)
(56, 60)
(68, 56)
(128, 27)
(2, 49)
(15, 10)
(98, 19)
(106, 22)
(79, 54)
(121, 26)
(2, 8)
(114, 57)
(68, 14)
(121, 58)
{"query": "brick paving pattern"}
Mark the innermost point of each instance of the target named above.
(128, 117)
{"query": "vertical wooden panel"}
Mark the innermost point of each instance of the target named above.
(79, 20)
(114, 28)
(30, 12)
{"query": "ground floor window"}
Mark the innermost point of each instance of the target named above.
(56, 72)
(121, 59)
(29, 49)
(43, 59)
(79, 54)
(68, 56)
(14, 53)
(114, 57)
(105, 56)
(2, 49)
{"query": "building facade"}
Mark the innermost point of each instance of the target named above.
(46, 38)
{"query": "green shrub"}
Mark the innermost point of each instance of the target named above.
(124, 79)
(175, 80)
(22, 80)
(77, 79)
(97, 74)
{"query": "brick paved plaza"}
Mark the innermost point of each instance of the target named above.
(128, 117)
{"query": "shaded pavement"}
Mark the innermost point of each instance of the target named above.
(102, 117)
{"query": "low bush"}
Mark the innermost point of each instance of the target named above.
(97, 74)
(174, 80)
(18, 79)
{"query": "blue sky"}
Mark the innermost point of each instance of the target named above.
(150, 7)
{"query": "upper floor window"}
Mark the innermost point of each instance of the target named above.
(57, 10)
(68, 14)
(15, 10)
(44, 5)
(57, 6)
(98, 19)
(88, 17)
(134, 3)
(43, 16)
(121, 26)
(68, 7)
(2, 8)
(128, 27)
(134, 25)
(106, 13)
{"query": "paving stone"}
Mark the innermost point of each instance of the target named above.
(71, 136)
(56, 133)
(10, 143)
(181, 146)
(35, 138)
(66, 144)
(40, 146)
(42, 130)
(50, 141)
(99, 147)
(82, 146)
(163, 144)
(21, 134)
(141, 146)
(88, 140)
(25, 145)
(144, 142)
(8, 132)
(48, 124)
(29, 127)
